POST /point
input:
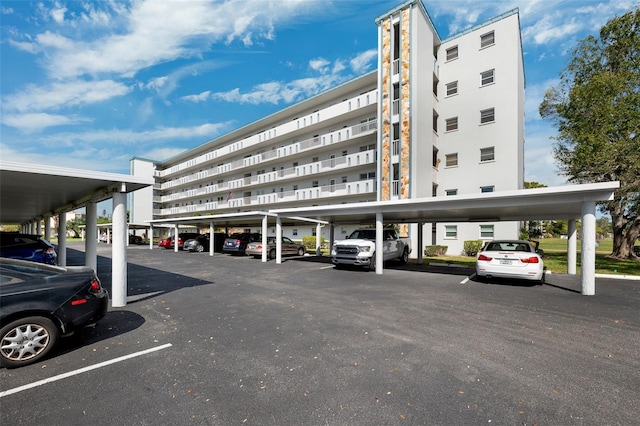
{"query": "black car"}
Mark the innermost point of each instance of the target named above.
(201, 242)
(15, 245)
(40, 303)
(237, 243)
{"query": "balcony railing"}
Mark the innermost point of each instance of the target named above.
(300, 195)
(362, 101)
(339, 136)
(352, 160)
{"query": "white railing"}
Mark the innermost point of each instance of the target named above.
(333, 111)
(342, 135)
(329, 191)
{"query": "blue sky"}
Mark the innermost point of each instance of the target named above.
(90, 84)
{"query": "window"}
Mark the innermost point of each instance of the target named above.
(452, 124)
(486, 77)
(452, 53)
(314, 184)
(487, 116)
(449, 192)
(487, 154)
(484, 189)
(451, 231)
(452, 88)
(295, 232)
(344, 179)
(486, 231)
(487, 40)
(451, 160)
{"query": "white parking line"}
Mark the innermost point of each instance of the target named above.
(81, 370)
(466, 280)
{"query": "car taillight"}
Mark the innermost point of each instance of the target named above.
(485, 258)
(533, 259)
(95, 285)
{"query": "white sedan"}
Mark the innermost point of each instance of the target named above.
(510, 259)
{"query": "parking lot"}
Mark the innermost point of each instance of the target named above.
(229, 340)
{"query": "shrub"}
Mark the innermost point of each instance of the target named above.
(310, 243)
(472, 247)
(432, 251)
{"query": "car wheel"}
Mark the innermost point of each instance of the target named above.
(272, 254)
(404, 259)
(199, 248)
(372, 264)
(26, 340)
(301, 251)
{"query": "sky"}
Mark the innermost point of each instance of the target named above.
(91, 84)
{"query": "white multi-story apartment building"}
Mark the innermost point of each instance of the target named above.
(437, 118)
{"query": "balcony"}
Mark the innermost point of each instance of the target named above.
(361, 101)
(339, 136)
(279, 176)
(299, 196)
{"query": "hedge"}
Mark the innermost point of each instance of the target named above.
(472, 247)
(432, 251)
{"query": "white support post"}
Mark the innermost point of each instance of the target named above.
(151, 237)
(39, 227)
(420, 242)
(379, 243)
(588, 252)
(175, 237)
(47, 228)
(212, 238)
(332, 235)
(318, 239)
(264, 239)
(572, 247)
(278, 240)
(62, 239)
(119, 251)
(90, 243)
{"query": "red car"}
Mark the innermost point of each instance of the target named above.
(167, 243)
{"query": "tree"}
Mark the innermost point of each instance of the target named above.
(596, 108)
(76, 226)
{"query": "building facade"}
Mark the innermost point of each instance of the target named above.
(437, 118)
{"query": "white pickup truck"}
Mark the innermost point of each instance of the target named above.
(359, 248)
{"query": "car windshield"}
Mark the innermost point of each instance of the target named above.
(508, 246)
(365, 234)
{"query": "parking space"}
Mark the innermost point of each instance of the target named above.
(303, 343)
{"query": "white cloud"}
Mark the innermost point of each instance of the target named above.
(201, 97)
(364, 61)
(57, 13)
(30, 123)
(152, 32)
(74, 93)
(319, 64)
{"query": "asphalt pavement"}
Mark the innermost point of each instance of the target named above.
(229, 340)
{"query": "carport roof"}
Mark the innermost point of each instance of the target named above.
(32, 191)
(562, 202)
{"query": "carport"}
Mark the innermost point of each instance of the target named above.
(242, 220)
(570, 203)
(32, 193)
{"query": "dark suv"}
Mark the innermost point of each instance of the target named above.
(237, 243)
(27, 247)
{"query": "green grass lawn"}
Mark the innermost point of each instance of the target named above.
(555, 258)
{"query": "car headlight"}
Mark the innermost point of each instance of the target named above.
(364, 249)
